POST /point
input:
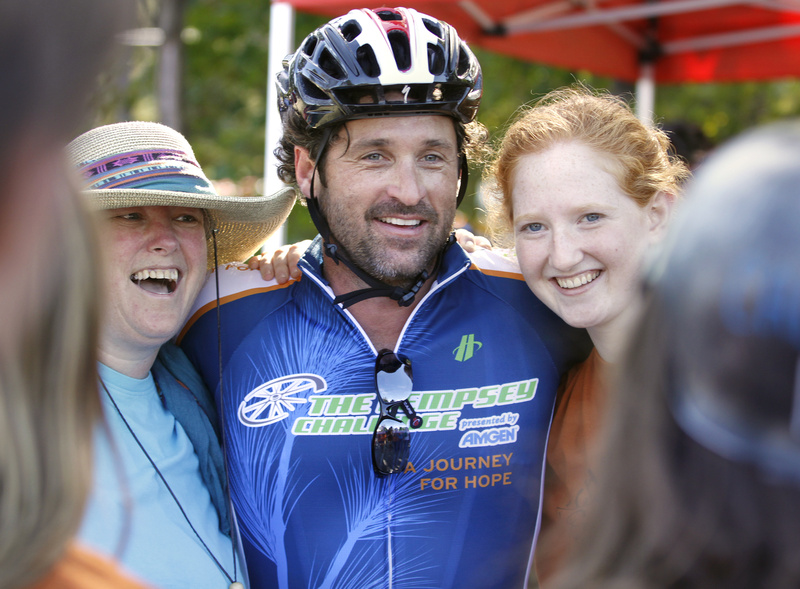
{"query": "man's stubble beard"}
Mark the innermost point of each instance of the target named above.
(369, 252)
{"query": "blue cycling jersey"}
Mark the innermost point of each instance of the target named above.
(299, 408)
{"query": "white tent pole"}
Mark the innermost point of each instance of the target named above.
(281, 43)
(762, 35)
(646, 93)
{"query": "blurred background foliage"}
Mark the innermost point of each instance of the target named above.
(222, 76)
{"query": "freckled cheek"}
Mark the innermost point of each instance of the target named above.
(535, 253)
(631, 251)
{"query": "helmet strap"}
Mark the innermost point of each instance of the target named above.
(463, 179)
(376, 288)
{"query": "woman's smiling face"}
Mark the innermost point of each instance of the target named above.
(155, 266)
(580, 239)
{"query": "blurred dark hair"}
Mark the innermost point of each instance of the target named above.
(689, 141)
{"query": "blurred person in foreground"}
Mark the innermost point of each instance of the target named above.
(701, 459)
(160, 499)
(50, 53)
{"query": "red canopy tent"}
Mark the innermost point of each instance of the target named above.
(684, 40)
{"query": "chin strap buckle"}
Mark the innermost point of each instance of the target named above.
(331, 250)
(405, 297)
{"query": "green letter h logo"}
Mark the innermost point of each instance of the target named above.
(466, 348)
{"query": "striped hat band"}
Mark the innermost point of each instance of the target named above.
(161, 169)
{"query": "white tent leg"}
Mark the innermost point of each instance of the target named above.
(281, 43)
(646, 93)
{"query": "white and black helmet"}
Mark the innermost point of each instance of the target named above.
(386, 61)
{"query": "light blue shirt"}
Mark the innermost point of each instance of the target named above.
(131, 515)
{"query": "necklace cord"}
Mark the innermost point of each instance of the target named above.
(234, 534)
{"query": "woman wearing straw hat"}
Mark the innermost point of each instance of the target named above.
(159, 501)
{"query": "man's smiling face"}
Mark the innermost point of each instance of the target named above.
(390, 192)
(155, 265)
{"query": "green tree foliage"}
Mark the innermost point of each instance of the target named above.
(725, 110)
(224, 85)
(225, 90)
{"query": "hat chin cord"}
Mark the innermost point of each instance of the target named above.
(376, 288)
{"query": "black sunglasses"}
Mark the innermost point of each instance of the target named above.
(391, 438)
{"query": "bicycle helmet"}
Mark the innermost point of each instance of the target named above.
(386, 61)
(731, 290)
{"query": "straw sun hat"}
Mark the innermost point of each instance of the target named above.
(136, 164)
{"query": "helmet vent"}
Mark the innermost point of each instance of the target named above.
(463, 62)
(310, 89)
(401, 49)
(388, 15)
(330, 66)
(433, 26)
(368, 62)
(310, 45)
(435, 60)
(350, 30)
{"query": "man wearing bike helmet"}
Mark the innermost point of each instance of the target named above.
(386, 414)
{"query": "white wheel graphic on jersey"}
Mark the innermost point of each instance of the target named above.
(272, 401)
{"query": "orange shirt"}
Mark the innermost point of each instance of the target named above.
(568, 477)
(82, 569)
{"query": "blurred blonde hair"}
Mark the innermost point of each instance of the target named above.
(48, 407)
(600, 120)
(50, 53)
